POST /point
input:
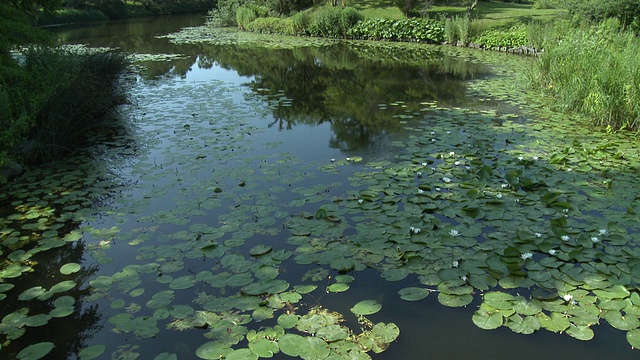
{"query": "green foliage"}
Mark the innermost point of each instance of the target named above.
(408, 7)
(70, 16)
(244, 16)
(594, 72)
(224, 14)
(54, 98)
(450, 31)
(456, 29)
(272, 25)
(403, 29)
(16, 29)
(300, 23)
(333, 22)
(626, 11)
(546, 4)
(510, 38)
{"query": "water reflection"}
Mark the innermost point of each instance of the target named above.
(364, 90)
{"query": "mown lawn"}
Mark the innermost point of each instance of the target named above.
(495, 13)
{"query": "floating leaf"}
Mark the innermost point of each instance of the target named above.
(259, 250)
(35, 351)
(413, 293)
(366, 307)
(91, 352)
(264, 348)
(213, 350)
(70, 268)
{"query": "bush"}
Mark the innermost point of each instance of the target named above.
(626, 11)
(272, 25)
(403, 29)
(244, 16)
(300, 23)
(333, 22)
(510, 38)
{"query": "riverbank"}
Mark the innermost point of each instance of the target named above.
(119, 10)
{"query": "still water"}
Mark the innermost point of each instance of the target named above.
(245, 175)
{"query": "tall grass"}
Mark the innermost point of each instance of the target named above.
(457, 29)
(333, 22)
(595, 72)
(62, 97)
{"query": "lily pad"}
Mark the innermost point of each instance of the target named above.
(366, 307)
(35, 351)
(91, 352)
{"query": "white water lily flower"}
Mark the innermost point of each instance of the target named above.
(569, 170)
(448, 132)
(333, 160)
(452, 153)
(424, 164)
(456, 163)
(504, 186)
(538, 235)
(454, 232)
(526, 255)
(360, 201)
(433, 133)
(463, 277)
(595, 239)
(468, 168)
(567, 297)
(520, 158)
(414, 230)
(433, 140)
(446, 179)
(603, 231)
(455, 263)
(438, 189)
(535, 158)
(419, 174)
(565, 237)
(499, 196)
(553, 252)
(565, 211)
(420, 191)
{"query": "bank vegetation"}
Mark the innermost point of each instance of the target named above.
(587, 59)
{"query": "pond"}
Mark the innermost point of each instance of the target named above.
(266, 196)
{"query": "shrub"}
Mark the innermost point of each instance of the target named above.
(244, 16)
(511, 38)
(300, 23)
(272, 25)
(626, 11)
(402, 29)
(333, 22)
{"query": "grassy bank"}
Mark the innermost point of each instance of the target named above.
(594, 72)
(52, 98)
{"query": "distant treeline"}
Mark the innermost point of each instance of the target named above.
(74, 11)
